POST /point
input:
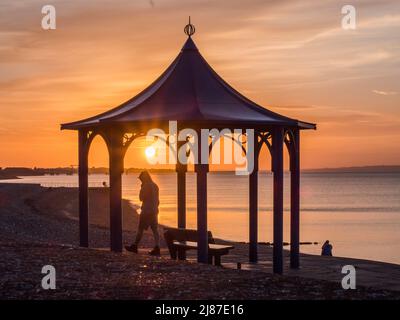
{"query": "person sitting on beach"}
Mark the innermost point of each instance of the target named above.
(149, 195)
(326, 249)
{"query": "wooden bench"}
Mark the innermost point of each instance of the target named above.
(181, 240)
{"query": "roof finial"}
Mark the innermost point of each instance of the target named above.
(189, 29)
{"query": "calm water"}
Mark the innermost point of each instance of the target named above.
(358, 212)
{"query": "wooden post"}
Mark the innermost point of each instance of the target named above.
(116, 170)
(181, 182)
(295, 201)
(253, 213)
(202, 251)
(181, 198)
(201, 181)
(83, 151)
(181, 201)
(277, 155)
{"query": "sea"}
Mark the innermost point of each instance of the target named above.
(359, 213)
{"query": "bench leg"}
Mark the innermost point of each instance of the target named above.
(210, 258)
(173, 252)
(181, 254)
(217, 260)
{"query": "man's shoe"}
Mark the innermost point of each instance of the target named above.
(155, 251)
(132, 248)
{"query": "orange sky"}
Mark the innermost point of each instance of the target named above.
(290, 56)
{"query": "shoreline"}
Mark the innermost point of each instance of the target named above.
(48, 217)
(8, 177)
(27, 171)
(131, 219)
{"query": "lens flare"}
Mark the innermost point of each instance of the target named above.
(150, 152)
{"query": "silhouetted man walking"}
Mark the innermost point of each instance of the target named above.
(149, 195)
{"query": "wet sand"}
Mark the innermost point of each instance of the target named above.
(39, 225)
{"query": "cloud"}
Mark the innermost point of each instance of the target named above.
(385, 21)
(338, 116)
(385, 93)
(362, 59)
(295, 108)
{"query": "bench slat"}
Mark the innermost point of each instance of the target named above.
(193, 245)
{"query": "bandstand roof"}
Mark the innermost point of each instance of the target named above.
(191, 92)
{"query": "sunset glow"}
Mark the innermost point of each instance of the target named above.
(292, 57)
(150, 152)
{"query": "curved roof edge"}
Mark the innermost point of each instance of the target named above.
(189, 90)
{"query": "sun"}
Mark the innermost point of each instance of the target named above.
(150, 152)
